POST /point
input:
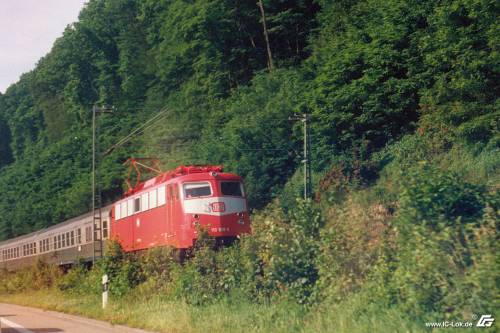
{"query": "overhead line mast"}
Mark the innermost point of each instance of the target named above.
(96, 192)
(306, 160)
(98, 249)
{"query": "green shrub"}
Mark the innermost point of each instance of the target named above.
(72, 281)
(437, 198)
(434, 244)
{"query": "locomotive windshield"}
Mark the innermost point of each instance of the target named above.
(231, 188)
(195, 190)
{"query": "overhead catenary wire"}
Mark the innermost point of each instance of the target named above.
(162, 114)
(148, 124)
(141, 127)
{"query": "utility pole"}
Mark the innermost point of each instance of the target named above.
(96, 192)
(306, 160)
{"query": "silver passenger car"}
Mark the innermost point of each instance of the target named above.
(60, 244)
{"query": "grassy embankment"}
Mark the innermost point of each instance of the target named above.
(163, 315)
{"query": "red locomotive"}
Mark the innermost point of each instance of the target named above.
(165, 210)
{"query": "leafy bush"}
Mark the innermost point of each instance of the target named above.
(438, 215)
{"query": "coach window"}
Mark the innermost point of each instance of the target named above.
(104, 229)
(152, 199)
(161, 195)
(63, 240)
(88, 234)
(55, 243)
(59, 242)
(34, 247)
(145, 202)
(68, 239)
(79, 235)
(196, 190)
(72, 238)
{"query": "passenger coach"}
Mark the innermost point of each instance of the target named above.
(61, 244)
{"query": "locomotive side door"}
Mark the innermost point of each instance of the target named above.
(170, 209)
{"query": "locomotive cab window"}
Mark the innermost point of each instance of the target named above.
(231, 188)
(195, 190)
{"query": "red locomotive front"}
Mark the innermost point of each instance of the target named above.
(166, 210)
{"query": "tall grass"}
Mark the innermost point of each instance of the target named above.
(227, 315)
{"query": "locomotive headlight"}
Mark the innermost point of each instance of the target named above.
(196, 216)
(214, 174)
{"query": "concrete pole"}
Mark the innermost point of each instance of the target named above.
(104, 291)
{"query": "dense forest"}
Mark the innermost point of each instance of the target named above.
(404, 115)
(368, 72)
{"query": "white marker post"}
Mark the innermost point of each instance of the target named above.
(104, 291)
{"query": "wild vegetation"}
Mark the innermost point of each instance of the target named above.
(403, 226)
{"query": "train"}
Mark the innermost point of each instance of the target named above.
(166, 210)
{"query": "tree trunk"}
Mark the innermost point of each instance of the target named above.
(270, 64)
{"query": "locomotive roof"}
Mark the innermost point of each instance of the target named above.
(52, 227)
(181, 171)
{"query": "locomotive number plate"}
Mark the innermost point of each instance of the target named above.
(218, 207)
